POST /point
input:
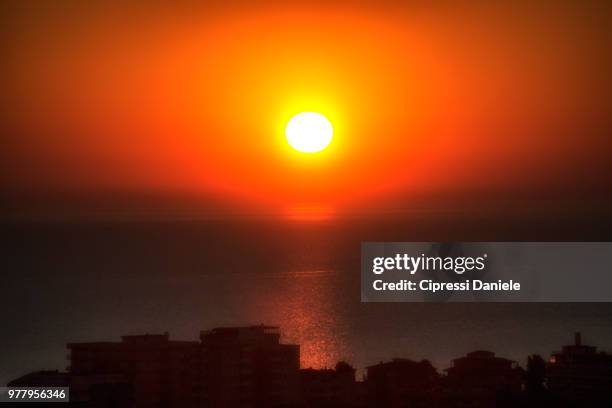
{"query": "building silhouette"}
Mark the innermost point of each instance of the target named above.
(580, 373)
(160, 371)
(482, 379)
(330, 387)
(248, 367)
(229, 367)
(402, 382)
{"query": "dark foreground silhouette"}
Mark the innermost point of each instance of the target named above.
(250, 367)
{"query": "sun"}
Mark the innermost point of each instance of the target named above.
(309, 132)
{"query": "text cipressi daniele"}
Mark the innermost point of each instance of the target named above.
(456, 265)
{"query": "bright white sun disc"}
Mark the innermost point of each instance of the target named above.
(309, 132)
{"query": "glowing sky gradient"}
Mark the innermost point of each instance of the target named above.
(460, 100)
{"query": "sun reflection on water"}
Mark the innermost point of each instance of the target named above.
(309, 212)
(303, 305)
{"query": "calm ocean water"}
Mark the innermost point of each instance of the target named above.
(70, 282)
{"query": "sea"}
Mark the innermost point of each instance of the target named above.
(81, 281)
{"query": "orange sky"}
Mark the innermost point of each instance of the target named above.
(177, 99)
